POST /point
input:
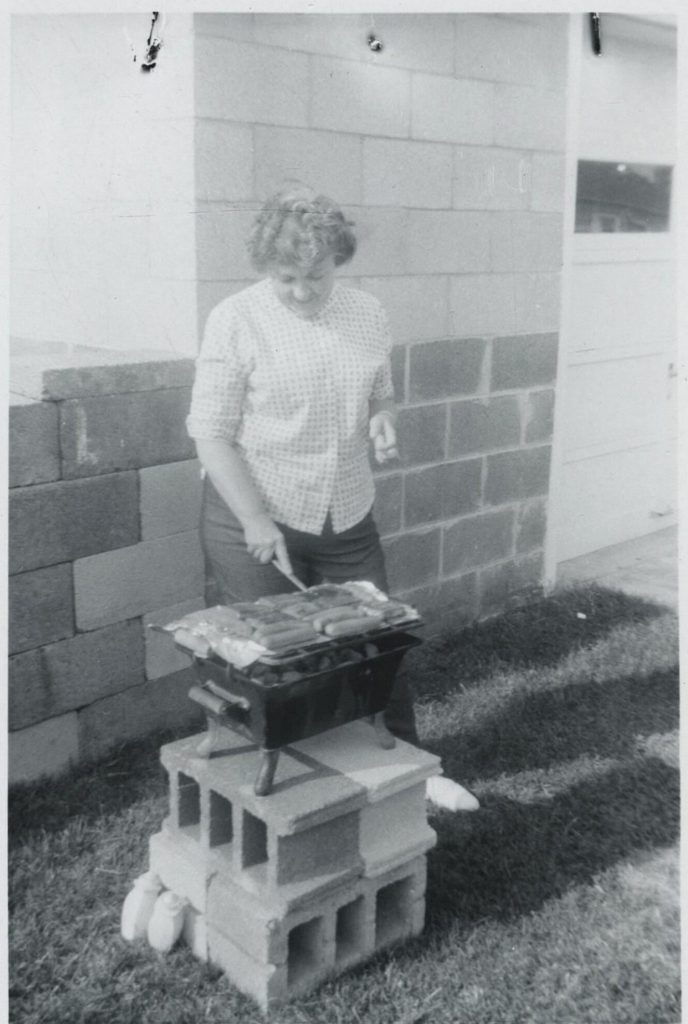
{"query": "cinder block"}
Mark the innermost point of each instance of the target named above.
(157, 705)
(482, 304)
(258, 927)
(388, 502)
(265, 983)
(449, 602)
(58, 522)
(162, 657)
(395, 830)
(41, 607)
(412, 558)
(170, 498)
(340, 98)
(230, 83)
(539, 418)
(491, 179)
(33, 446)
(524, 361)
(452, 110)
(44, 749)
(508, 50)
(221, 243)
(422, 434)
(60, 371)
(513, 476)
(117, 585)
(478, 540)
(179, 868)
(441, 369)
(399, 902)
(401, 173)
(442, 492)
(511, 583)
(111, 432)
(334, 161)
(329, 847)
(525, 241)
(537, 303)
(531, 526)
(448, 242)
(529, 118)
(383, 241)
(417, 41)
(417, 306)
(483, 425)
(548, 182)
(60, 677)
(224, 161)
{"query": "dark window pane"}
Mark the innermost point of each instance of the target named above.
(622, 197)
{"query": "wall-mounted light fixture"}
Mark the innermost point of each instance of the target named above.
(595, 33)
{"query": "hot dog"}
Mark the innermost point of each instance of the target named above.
(347, 627)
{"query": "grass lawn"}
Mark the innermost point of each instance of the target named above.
(556, 903)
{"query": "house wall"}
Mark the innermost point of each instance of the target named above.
(102, 169)
(447, 150)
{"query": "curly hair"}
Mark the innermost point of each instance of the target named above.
(298, 226)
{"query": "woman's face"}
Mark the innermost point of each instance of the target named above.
(304, 292)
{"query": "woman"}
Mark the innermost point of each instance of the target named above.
(293, 381)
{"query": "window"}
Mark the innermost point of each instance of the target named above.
(614, 197)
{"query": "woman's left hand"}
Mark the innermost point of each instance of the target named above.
(383, 434)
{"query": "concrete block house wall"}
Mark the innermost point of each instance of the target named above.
(446, 149)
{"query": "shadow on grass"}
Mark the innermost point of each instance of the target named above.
(535, 636)
(131, 773)
(536, 730)
(510, 858)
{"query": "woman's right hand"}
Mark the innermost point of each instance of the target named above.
(265, 541)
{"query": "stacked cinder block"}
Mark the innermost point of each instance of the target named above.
(283, 891)
(103, 538)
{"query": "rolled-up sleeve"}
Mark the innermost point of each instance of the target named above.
(382, 385)
(222, 370)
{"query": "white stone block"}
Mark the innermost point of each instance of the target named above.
(170, 498)
(336, 35)
(529, 118)
(421, 41)
(448, 242)
(231, 82)
(415, 174)
(383, 241)
(482, 304)
(121, 584)
(221, 236)
(417, 307)
(524, 51)
(329, 162)
(491, 179)
(45, 749)
(525, 241)
(452, 110)
(224, 161)
(537, 303)
(549, 172)
(349, 96)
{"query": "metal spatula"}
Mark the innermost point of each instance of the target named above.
(289, 575)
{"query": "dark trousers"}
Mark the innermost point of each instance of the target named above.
(355, 554)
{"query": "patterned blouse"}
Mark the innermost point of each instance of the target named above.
(292, 395)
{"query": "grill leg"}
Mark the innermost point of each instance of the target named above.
(266, 773)
(205, 747)
(384, 736)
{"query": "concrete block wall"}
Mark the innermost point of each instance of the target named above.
(447, 150)
(103, 539)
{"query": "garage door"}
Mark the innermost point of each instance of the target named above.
(617, 422)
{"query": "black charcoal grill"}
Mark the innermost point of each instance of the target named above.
(282, 699)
